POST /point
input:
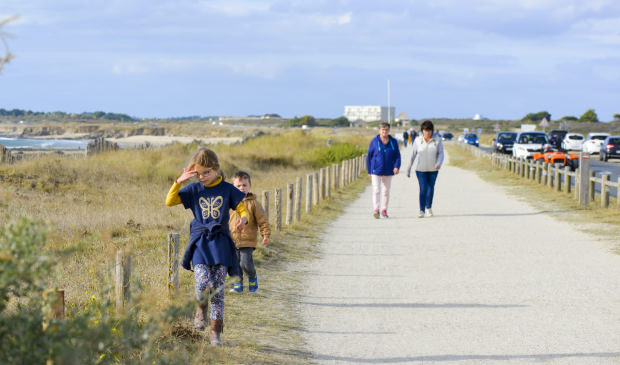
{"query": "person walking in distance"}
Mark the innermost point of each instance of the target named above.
(246, 239)
(211, 251)
(405, 138)
(382, 163)
(428, 149)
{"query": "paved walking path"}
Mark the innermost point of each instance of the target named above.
(488, 280)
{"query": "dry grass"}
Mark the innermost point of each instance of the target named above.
(116, 200)
(601, 222)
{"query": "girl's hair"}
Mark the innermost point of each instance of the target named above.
(205, 158)
(428, 125)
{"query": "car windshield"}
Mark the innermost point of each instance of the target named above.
(598, 137)
(615, 141)
(575, 137)
(533, 139)
(471, 135)
(506, 136)
(447, 134)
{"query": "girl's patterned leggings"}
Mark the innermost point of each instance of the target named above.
(211, 277)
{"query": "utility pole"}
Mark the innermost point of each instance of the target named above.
(389, 110)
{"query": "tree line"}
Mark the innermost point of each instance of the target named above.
(99, 115)
(587, 117)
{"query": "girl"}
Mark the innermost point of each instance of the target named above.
(211, 250)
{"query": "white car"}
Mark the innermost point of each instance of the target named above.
(572, 141)
(529, 143)
(593, 141)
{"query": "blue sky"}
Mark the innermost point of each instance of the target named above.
(444, 58)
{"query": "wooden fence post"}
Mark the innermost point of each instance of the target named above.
(290, 191)
(328, 182)
(592, 185)
(315, 188)
(321, 184)
(173, 262)
(278, 203)
(557, 180)
(335, 168)
(57, 311)
(604, 190)
(584, 180)
(265, 204)
(123, 274)
(298, 197)
(577, 181)
(309, 179)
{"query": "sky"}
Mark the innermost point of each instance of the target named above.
(501, 59)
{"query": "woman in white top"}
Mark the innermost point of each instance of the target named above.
(429, 152)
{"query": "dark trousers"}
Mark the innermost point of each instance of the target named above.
(246, 263)
(426, 179)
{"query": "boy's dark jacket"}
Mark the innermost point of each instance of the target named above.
(382, 159)
(256, 219)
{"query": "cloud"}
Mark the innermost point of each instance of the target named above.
(237, 8)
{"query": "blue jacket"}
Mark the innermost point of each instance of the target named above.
(382, 159)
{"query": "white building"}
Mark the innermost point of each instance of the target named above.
(369, 113)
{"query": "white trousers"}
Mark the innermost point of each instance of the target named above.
(381, 190)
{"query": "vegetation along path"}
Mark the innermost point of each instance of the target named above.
(487, 280)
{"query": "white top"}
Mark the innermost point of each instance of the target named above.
(430, 154)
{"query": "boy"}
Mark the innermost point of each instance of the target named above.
(245, 241)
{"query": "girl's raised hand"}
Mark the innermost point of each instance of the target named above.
(186, 175)
(265, 241)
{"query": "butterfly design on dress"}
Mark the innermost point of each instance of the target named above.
(211, 206)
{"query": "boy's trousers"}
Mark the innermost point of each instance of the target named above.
(246, 263)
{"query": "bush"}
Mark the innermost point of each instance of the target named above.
(589, 116)
(91, 335)
(334, 154)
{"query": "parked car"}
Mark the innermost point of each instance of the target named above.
(572, 141)
(503, 142)
(447, 136)
(566, 159)
(471, 138)
(592, 143)
(528, 143)
(610, 148)
(555, 137)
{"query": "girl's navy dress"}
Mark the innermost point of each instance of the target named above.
(210, 242)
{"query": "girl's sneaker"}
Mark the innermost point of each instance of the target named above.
(237, 288)
(384, 213)
(376, 214)
(253, 285)
(429, 212)
(421, 214)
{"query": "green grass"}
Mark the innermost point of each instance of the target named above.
(601, 222)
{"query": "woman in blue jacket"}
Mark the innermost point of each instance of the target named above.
(382, 162)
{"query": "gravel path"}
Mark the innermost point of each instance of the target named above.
(488, 280)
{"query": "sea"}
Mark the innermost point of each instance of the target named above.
(48, 144)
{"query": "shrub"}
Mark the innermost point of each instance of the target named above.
(91, 335)
(334, 154)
